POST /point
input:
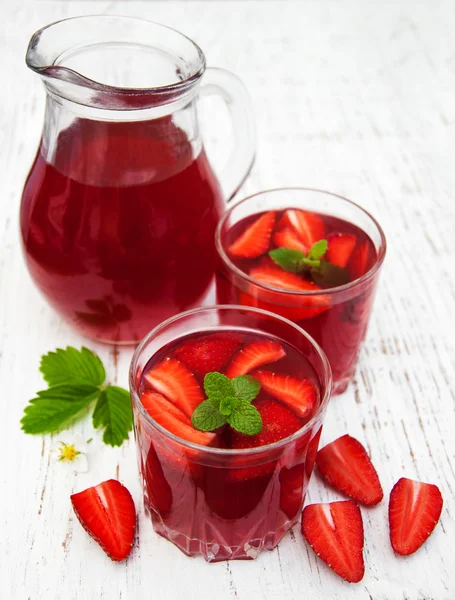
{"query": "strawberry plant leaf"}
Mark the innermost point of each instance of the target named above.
(113, 412)
(64, 366)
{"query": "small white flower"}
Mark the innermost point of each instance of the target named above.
(72, 452)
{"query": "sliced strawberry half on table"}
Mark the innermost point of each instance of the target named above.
(308, 226)
(173, 379)
(278, 422)
(173, 419)
(335, 533)
(346, 466)
(208, 354)
(255, 240)
(254, 355)
(298, 394)
(106, 511)
(287, 238)
(358, 262)
(340, 248)
(414, 510)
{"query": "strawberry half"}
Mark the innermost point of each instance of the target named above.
(414, 510)
(303, 307)
(298, 394)
(278, 422)
(207, 354)
(173, 419)
(287, 238)
(255, 240)
(254, 355)
(346, 466)
(335, 533)
(175, 381)
(340, 248)
(358, 263)
(308, 226)
(288, 312)
(106, 511)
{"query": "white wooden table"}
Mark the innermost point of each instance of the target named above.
(351, 96)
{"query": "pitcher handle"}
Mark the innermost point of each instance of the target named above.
(241, 159)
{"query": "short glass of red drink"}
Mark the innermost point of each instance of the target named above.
(309, 256)
(226, 490)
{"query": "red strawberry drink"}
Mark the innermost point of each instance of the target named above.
(309, 256)
(228, 407)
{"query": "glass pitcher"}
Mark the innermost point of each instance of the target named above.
(120, 206)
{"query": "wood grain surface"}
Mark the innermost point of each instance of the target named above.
(355, 97)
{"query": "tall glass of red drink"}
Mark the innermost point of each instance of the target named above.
(330, 298)
(221, 493)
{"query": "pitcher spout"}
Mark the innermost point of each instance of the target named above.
(108, 62)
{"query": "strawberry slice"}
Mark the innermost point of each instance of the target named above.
(254, 355)
(346, 466)
(106, 511)
(295, 307)
(173, 419)
(208, 354)
(287, 238)
(175, 381)
(255, 240)
(278, 422)
(414, 510)
(335, 533)
(358, 263)
(298, 394)
(292, 483)
(340, 248)
(308, 226)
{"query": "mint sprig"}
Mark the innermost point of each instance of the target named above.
(296, 261)
(229, 401)
(76, 379)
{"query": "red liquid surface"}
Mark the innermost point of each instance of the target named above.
(340, 327)
(118, 231)
(228, 506)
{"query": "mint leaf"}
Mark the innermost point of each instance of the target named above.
(113, 412)
(206, 417)
(54, 407)
(227, 405)
(246, 387)
(245, 418)
(318, 250)
(288, 259)
(217, 387)
(71, 365)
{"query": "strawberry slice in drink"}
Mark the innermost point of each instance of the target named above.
(287, 238)
(255, 240)
(414, 510)
(335, 533)
(106, 511)
(340, 248)
(358, 262)
(307, 225)
(298, 394)
(209, 353)
(346, 466)
(287, 305)
(254, 355)
(174, 420)
(176, 382)
(278, 422)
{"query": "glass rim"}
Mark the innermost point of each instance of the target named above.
(305, 293)
(195, 74)
(227, 452)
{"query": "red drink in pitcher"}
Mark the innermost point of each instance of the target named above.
(315, 268)
(118, 249)
(216, 481)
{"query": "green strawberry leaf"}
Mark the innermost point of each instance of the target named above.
(113, 412)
